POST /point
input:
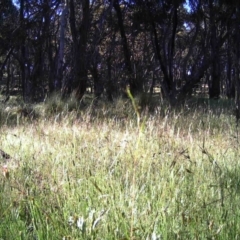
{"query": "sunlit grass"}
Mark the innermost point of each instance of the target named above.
(93, 173)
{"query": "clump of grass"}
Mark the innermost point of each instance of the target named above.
(55, 104)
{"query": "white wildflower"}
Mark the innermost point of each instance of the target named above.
(80, 223)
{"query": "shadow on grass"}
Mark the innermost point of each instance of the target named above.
(231, 179)
(15, 112)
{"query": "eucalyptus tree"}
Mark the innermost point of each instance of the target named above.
(8, 30)
(217, 17)
(235, 5)
(189, 44)
(134, 86)
(164, 19)
(60, 53)
(98, 42)
(229, 18)
(80, 26)
(34, 50)
(237, 59)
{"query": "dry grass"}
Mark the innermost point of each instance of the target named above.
(93, 174)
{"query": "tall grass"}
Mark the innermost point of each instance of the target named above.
(89, 173)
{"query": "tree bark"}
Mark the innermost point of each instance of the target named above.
(237, 62)
(80, 37)
(23, 52)
(134, 86)
(214, 88)
(59, 73)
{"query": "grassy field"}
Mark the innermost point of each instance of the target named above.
(110, 172)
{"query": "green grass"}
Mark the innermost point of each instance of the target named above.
(95, 173)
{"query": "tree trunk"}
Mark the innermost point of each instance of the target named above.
(109, 87)
(59, 73)
(134, 86)
(214, 88)
(237, 62)
(165, 83)
(80, 37)
(23, 52)
(230, 88)
(98, 86)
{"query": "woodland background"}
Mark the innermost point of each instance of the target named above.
(175, 47)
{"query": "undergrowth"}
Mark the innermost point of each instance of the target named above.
(107, 171)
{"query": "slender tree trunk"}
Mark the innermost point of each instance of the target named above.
(134, 86)
(165, 83)
(214, 88)
(237, 62)
(171, 48)
(229, 81)
(98, 86)
(9, 73)
(152, 84)
(23, 51)
(80, 37)
(51, 65)
(109, 87)
(59, 74)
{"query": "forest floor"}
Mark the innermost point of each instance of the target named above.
(115, 171)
